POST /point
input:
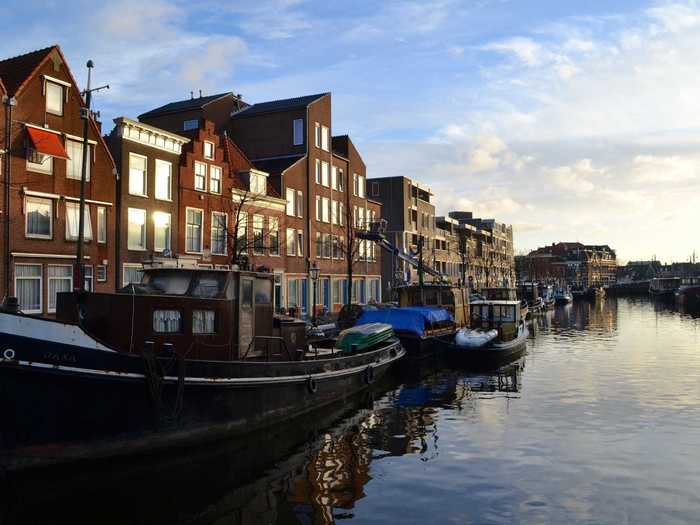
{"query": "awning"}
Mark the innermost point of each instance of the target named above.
(47, 143)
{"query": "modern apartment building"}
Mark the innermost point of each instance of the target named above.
(42, 135)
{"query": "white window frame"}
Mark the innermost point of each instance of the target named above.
(203, 177)
(161, 163)
(101, 278)
(68, 278)
(298, 132)
(39, 167)
(41, 286)
(156, 247)
(215, 169)
(300, 203)
(145, 233)
(132, 266)
(325, 138)
(326, 208)
(317, 174)
(317, 135)
(291, 201)
(201, 230)
(290, 248)
(325, 174)
(204, 150)
(145, 175)
(102, 224)
(211, 233)
(72, 146)
(61, 89)
(37, 200)
(87, 222)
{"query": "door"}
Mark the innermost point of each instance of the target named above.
(327, 294)
(246, 316)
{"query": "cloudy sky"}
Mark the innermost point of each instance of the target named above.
(571, 120)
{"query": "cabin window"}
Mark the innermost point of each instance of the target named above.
(431, 297)
(209, 284)
(170, 283)
(203, 322)
(167, 321)
(188, 125)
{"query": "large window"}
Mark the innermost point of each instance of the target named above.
(54, 98)
(324, 174)
(325, 138)
(200, 176)
(193, 230)
(218, 233)
(60, 279)
(137, 174)
(326, 206)
(291, 241)
(74, 164)
(258, 234)
(164, 176)
(318, 171)
(295, 203)
(101, 224)
(28, 287)
(161, 231)
(300, 204)
(215, 179)
(258, 184)
(38, 218)
(334, 212)
(136, 231)
(208, 150)
(298, 130)
(274, 241)
(73, 219)
(300, 243)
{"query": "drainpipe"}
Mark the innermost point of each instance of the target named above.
(9, 103)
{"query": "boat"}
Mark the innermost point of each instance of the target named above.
(547, 295)
(688, 292)
(474, 338)
(186, 357)
(664, 286)
(529, 293)
(509, 343)
(562, 296)
(578, 291)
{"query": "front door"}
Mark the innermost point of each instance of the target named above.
(246, 320)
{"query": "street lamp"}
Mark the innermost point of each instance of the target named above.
(314, 270)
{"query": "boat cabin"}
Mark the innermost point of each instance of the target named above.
(503, 316)
(500, 294)
(529, 292)
(453, 299)
(203, 313)
(664, 285)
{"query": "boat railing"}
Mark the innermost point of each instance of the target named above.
(267, 339)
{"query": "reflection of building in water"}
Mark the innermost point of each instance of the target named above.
(599, 316)
(505, 380)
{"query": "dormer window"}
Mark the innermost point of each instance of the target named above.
(54, 98)
(208, 150)
(258, 184)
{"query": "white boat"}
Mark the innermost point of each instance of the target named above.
(469, 338)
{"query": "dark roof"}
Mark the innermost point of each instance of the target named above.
(278, 105)
(340, 145)
(16, 70)
(276, 166)
(184, 105)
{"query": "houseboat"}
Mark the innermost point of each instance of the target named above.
(188, 356)
(562, 296)
(688, 292)
(664, 286)
(547, 295)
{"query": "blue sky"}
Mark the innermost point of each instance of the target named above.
(571, 120)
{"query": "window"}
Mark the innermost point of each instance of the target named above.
(54, 98)
(242, 233)
(292, 293)
(336, 248)
(258, 184)
(60, 279)
(317, 134)
(318, 171)
(258, 234)
(334, 177)
(188, 125)
(326, 209)
(101, 224)
(38, 218)
(203, 321)
(200, 176)
(101, 273)
(218, 233)
(164, 177)
(341, 213)
(214, 179)
(334, 212)
(136, 230)
(28, 287)
(291, 196)
(208, 150)
(300, 204)
(161, 231)
(193, 230)
(291, 241)
(341, 181)
(167, 321)
(87, 277)
(74, 164)
(298, 130)
(274, 241)
(327, 245)
(324, 174)
(132, 273)
(300, 243)
(137, 174)
(72, 220)
(319, 245)
(319, 210)
(38, 162)
(375, 189)
(324, 138)
(358, 185)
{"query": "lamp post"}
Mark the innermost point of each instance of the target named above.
(314, 270)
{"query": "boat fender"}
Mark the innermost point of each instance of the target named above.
(9, 354)
(369, 375)
(311, 385)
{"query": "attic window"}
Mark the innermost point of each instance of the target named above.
(258, 184)
(190, 124)
(54, 98)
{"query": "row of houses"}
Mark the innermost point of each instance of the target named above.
(569, 262)
(211, 181)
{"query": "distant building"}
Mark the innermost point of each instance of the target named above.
(571, 262)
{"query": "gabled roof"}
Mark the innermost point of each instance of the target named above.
(278, 105)
(15, 71)
(184, 105)
(277, 166)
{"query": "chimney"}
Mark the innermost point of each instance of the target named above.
(191, 95)
(200, 93)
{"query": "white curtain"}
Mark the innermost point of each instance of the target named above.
(203, 321)
(28, 286)
(60, 280)
(167, 321)
(72, 215)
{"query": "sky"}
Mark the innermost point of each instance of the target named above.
(573, 121)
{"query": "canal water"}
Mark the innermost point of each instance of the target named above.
(598, 423)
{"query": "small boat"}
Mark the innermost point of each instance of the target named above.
(188, 356)
(529, 293)
(509, 344)
(562, 296)
(664, 286)
(470, 338)
(547, 295)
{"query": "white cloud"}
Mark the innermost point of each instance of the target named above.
(527, 50)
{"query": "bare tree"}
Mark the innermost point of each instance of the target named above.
(352, 248)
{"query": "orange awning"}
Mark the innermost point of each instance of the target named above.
(47, 143)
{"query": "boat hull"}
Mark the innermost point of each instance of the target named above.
(489, 356)
(64, 403)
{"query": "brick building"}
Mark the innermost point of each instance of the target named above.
(572, 262)
(42, 133)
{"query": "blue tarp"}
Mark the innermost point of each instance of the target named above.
(411, 319)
